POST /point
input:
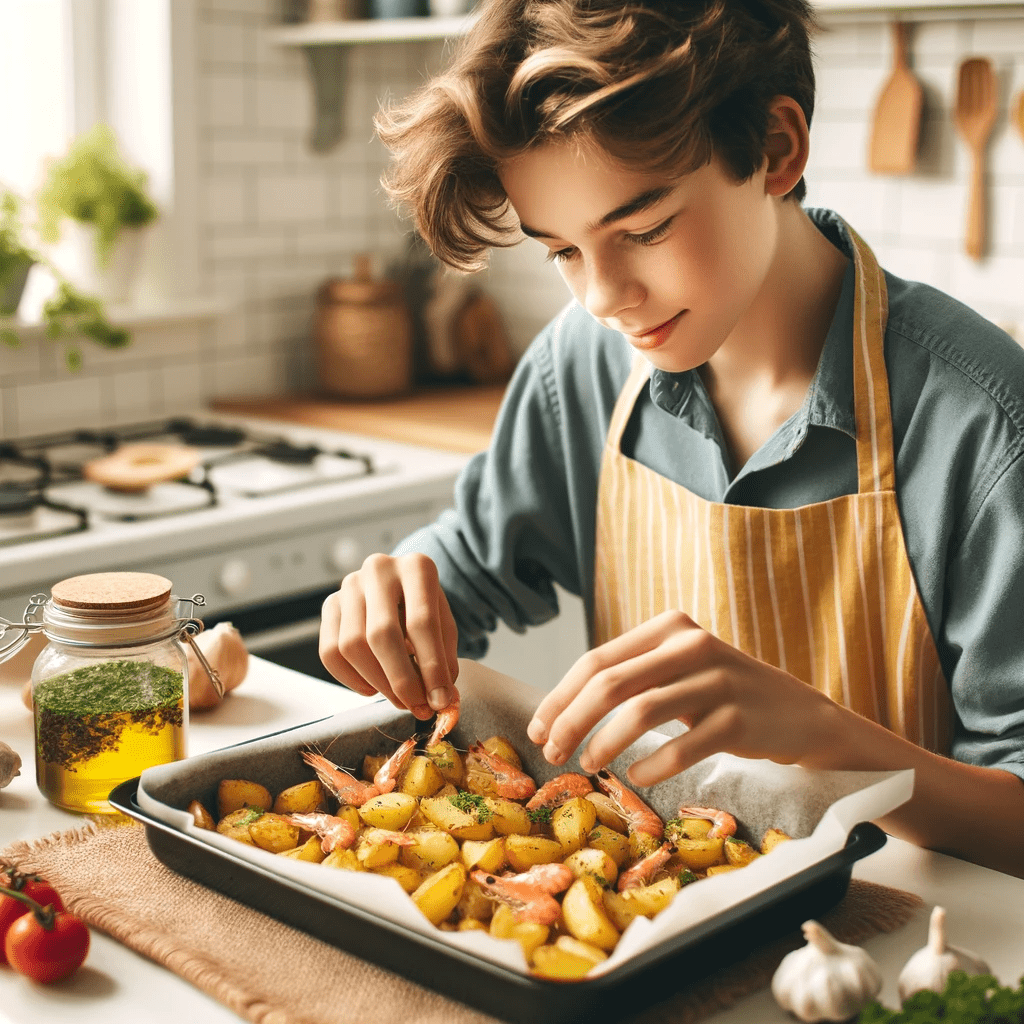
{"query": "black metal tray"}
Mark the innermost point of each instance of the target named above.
(640, 982)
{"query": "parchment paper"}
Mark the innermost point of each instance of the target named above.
(817, 809)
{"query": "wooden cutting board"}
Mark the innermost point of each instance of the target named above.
(897, 121)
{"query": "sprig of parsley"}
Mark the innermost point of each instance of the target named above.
(253, 814)
(540, 816)
(471, 803)
(965, 1000)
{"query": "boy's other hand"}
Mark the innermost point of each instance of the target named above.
(670, 668)
(389, 630)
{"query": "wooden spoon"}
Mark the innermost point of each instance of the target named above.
(897, 122)
(974, 115)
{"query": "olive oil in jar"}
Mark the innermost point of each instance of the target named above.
(103, 723)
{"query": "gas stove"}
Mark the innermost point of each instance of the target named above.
(265, 522)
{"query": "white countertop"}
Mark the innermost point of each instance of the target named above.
(985, 908)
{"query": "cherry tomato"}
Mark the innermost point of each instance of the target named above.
(47, 954)
(11, 909)
(41, 891)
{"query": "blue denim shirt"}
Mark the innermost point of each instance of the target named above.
(525, 509)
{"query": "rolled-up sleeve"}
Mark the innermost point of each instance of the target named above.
(985, 622)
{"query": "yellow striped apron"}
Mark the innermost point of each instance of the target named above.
(825, 592)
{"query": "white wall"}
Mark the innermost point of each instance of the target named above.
(275, 219)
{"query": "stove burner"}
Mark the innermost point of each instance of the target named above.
(207, 436)
(17, 501)
(290, 454)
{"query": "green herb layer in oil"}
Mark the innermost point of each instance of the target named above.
(82, 713)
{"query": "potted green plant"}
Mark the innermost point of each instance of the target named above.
(15, 258)
(95, 206)
(67, 315)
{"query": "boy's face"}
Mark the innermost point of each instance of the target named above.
(675, 265)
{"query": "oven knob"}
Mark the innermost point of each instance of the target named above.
(346, 555)
(235, 577)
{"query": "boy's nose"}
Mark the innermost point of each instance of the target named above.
(610, 292)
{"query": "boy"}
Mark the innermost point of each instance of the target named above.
(788, 486)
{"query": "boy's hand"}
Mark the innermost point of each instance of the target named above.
(387, 613)
(670, 668)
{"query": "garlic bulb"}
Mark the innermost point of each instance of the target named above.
(930, 966)
(10, 764)
(826, 980)
(225, 651)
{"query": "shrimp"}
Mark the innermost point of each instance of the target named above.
(644, 870)
(530, 894)
(509, 781)
(390, 771)
(447, 719)
(639, 817)
(559, 789)
(347, 788)
(723, 823)
(333, 832)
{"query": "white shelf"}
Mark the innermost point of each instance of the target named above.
(173, 311)
(370, 30)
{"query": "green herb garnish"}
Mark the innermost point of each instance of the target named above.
(540, 816)
(472, 803)
(964, 1000)
(85, 712)
(735, 841)
(686, 876)
(254, 814)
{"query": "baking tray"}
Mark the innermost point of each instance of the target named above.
(643, 980)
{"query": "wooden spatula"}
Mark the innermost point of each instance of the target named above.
(897, 122)
(974, 116)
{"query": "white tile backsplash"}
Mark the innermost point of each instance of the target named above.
(276, 218)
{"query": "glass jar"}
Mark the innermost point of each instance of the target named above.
(110, 689)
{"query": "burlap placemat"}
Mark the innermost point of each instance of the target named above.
(270, 973)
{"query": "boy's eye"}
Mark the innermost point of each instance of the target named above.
(561, 255)
(654, 235)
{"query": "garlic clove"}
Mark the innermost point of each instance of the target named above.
(826, 980)
(225, 650)
(10, 764)
(931, 965)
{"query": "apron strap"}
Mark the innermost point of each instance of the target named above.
(875, 459)
(635, 383)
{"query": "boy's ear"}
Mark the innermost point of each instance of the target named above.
(787, 147)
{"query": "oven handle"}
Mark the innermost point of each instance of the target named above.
(282, 636)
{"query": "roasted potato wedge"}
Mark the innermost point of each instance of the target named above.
(201, 816)
(528, 934)
(344, 859)
(571, 823)
(421, 778)
(473, 903)
(235, 824)
(559, 964)
(438, 895)
(721, 869)
(522, 852)
(486, 855)
(615, 844)
(608, 812)
(433, 850)
(274, 833)
(235, 793)
(772, 838)
(595, 863)
(372, 763)
(738, 852)
(508, 817)
(448, 762)
(700, 854)
(457, 823)
(585, 917)
(583, 949)
(389, 810)
(687, 828)
(310, 850)
(408, 878)
(641, 844)
(304, 798)
(643, 901)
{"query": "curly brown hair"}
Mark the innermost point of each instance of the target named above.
(661, 85)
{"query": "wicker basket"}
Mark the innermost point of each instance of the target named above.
(363, 336)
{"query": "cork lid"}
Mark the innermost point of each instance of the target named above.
(113, 591)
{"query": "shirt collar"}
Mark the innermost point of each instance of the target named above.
(829, 401)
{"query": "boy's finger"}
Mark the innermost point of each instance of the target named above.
(352, 640)
(330, 622)
(707, 737)
(424, 631)
(450, 635)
